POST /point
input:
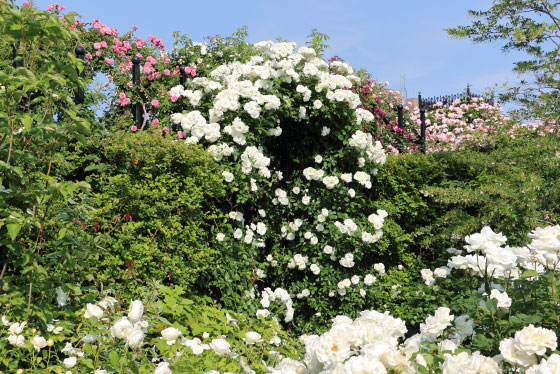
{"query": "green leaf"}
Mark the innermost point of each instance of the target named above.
(529, 273)
(13, 230)
(114, 359)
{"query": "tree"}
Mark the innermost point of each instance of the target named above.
(533, 27)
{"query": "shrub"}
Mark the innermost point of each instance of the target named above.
(154, 201)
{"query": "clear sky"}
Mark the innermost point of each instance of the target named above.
(389, 38)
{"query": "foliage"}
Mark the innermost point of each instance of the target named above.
(95, 340)
(439, 198)
(38, 109)
(154, 200)
(530, 26)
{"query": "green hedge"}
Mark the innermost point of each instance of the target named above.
(154, 200)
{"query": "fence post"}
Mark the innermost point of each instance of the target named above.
(400, 123)
(80, 53)
(420, 106)
(422, 139)
(182, 76)
(138, 112)
(18, 63)
(468, 93)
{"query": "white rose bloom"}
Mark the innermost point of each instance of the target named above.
(93, 311)
(38, 342)
(318, 159)
(220, 346)
(315, 269)
(100, 371)
(170, 335)
(363, 365)
(220, 237)
(135, 337)
(306, 200)
(228, 177)
(369, 279)
(441, 272)
(237, 234)
(121, 328)
(17, 328)
(535, 340)
(317, 104)
(61, 297)
(163, 368)
(551, 365)
(351, 192)
(330, 182)
(504, 301)
(514, 355)
(434, 325)
(355, 279)
(195, 345)
(70, 362)
(17, 340)
(135, 311)
(325, 131)
(252, 337)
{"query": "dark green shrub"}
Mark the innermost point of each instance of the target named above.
(154, 199)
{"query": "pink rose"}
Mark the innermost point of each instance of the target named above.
(155, 103)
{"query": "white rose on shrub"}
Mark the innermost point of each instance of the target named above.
(170, 335)
(121, 328)
(434, 325)
(535, 340)
(70, 362)
(163, 368)
(252, 337)
(135, 311)
(220, 346)
(135, 337)
(93, 311)
(38, 342)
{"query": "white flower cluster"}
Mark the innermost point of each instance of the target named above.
(429, 276)
(364, 142)
(279, 296)
(370, 344)
(253, 158)
(507, 262)
(195, 125)
(526, 345)
(298, 261)
(179, 91)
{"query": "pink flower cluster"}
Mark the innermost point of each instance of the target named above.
(54, 7)
(123, 100)
(448, 128)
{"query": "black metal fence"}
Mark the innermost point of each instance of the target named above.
(447, 100)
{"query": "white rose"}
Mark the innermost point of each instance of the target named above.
(163, 368)
(93, 311)
(135, 337)
(170, 335)
(135, 311)
(252, 337)
(38, 342)
(70, 362)
(220, 346)
(121, 328)
(535, 340)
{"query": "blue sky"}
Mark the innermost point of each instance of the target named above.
(387, 38)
